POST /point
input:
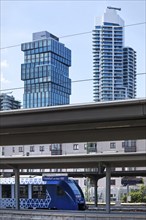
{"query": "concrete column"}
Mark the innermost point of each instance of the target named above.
(128, 193)
(108, 188)
(13, 192)
(96, 191)
(17, 188)
(29, 191)
(0, 191)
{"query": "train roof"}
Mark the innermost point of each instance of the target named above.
(37, 180)
(23, 180)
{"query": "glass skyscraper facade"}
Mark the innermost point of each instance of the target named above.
(114, 67)
(129, 71)
(45, 71)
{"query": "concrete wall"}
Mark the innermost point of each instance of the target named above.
(69, 148)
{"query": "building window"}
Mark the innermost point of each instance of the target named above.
(129, 146)
(42, 148)
(112, 145)
(85, 146)
(3, 151)
(123, 144)
(75, 147)
(27, 153)
(91, 147)
(31, 148)
(56, 149)
(20, 149)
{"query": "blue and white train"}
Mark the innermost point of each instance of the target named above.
(47, 192)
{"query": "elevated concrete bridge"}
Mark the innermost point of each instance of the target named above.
(116, 120)
(75, 161)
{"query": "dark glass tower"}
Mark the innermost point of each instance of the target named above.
(45, 71)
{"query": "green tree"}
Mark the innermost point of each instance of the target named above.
(143, 191)
(137, 195)
(124, 198)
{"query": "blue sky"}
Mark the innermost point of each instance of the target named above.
(19, 19)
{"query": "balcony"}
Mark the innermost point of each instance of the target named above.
(56, 152)
(129, 146)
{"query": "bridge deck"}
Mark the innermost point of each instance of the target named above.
(117, 120)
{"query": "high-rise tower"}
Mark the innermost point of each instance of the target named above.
(45, 71)
(8, 102)
(129, 71)
(111, 61)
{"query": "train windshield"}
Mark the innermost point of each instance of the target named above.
(74, 187)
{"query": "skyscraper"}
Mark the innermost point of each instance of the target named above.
(114, 67)
(129, 71)
(8, 102)
(45, 71)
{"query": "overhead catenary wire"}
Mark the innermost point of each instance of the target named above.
(74, 81)
(73, 35)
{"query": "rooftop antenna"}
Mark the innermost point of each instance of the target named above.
(109, 7)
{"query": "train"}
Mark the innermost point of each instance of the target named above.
(42, 192)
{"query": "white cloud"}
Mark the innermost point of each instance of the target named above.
(3, 79)
(4, 64)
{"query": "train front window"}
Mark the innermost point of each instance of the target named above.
(74, 187)
(23, 191)
(6, 191)
(38, 191)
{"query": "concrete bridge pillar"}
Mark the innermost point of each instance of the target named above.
(108, 188)
(17, 184)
